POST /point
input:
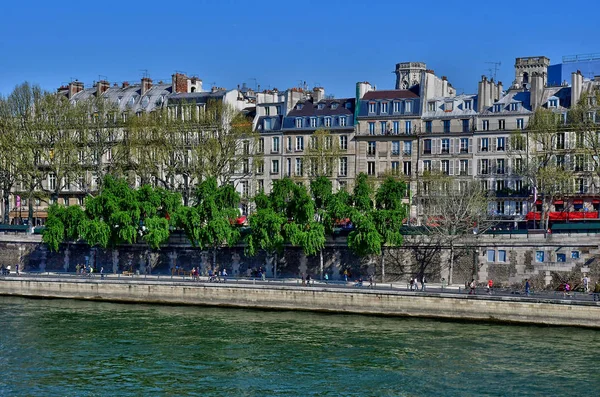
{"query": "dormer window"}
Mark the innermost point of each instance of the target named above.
(348, 105)
(384, 107)
(553, 103)
(299, 106)
(313, 122)
(468, 105)
(372, 107)
(334, 106)
(448, 106)
(408, 107)
(431, 106)
(320, 106)
(514, 107)
(397, 106)
(342, 121)
(497, 108)
(299, 122)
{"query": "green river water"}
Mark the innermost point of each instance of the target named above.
(75, 348)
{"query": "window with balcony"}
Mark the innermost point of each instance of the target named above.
(463, 167)
(484, 144)
(445, 146)
(464, 145)
(445, 167)
(500, 144)
(500, 185)
(395, 148)
(560, 140)
(500, 166)
(407, 148)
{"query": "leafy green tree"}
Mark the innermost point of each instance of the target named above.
(9, 155)
(63, 225)
(210, 222)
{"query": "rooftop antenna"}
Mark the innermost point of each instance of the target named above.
(494, 70)
(102, 77)
(145, 73)
(255, 83)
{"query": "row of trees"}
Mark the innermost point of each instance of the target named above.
(74, 144)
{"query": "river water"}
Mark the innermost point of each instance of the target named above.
(75, 348)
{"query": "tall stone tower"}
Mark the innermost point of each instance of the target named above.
(409, 74)
(525, 67)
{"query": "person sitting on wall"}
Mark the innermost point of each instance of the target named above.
(597, 291)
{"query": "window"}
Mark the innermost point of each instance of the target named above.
(299, 143)
(518, 208)
(313, 122)
(384, 107)
(343, 166)
(245, 166)
(484, 144)
(485, 125)
(261, 145)
(484, 167)
(446, 125)
(491, 256)
(245, 189)
(560, 140)
(260, 168)
(500, 166)
(445, 167)
(342, 121)
(539, 256)
(445, 146)
(501, 124)
(407, 168)
(407, 148)
(80, 201)
(383, 126)
(465, 125)
(275, 144)
(396, 127)
(267, 111)
(520, 124)
(299, 122)
(427, 165)
(52, 181)
(289, 167)
(561, 257)
(427, 146)
(246, 147)
(468, 105)
(275, 166)
(408, 107)
(518, 143)
(397, 107)
(320, 106)
(578, 162)
(579, 140)
(501, 256)
(371, 147)
(519, 185)
(370, 168)
(500, 143)
(327, 121)
(484, 185)
(395, 167)
(371, 128)
(553, 103)
(428, 125)
(431, 106)
(574, 254)
(463, 167)
(408, 126)
(500, 207)
(464, 145)
(288, 142)
(299, 106)
(343, 142)
(260, 186)
(497, 108)
(299, 167)
(278, 109)
(499, 185)
(395, 147)
(514, 107)
(334, 106)
(372, 107)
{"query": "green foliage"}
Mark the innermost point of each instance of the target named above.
(62, 225)
(267, 231)
(362, 194)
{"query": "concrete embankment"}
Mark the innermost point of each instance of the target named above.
(338, 300)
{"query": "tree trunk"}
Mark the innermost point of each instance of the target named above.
(321, 262)
(275, 266)
(6, 206)
(451, 269)
(214, 264)
(382, 266)
(30, 212)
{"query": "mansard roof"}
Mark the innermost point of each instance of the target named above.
(308, 108)
(458, 107)
(389, 94)
(129, 97)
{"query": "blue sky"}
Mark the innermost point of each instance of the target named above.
(332, 43)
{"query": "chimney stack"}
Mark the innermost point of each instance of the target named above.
(146, 85)
(125, 84)
(576, 87)
(537, 89)
(101, 87)
(318, 94)
(75, 87)
(179, 83)
(362, 89)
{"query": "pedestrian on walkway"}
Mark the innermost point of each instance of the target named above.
(423, 283)
(586, 282)
(472, 286)
(527, 287)
(17, 269)
(326, 278)
(224, 275)
(346, 275)
(490, 285)
(597, 291)
(308, 280)
(370, 281)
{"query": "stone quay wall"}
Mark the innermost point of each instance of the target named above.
(336, 300)
(514, 258)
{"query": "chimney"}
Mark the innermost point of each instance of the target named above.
(576, 87)
(179, 83)
(146, 85)
(75, 87)
(362, 89)
(125, 84)
(318, 94)
(484, 99)
(195, 84)
(537, 90)
(444, 86)
(500, 89)
(101, 87)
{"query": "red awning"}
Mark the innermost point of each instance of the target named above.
(577, 201)
(596, 201)
(563, 216)
(558, 202)
(241, 220)
(538, 202)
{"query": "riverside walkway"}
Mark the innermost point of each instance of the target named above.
(339, 285)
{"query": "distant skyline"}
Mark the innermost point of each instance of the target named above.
(333, 44)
